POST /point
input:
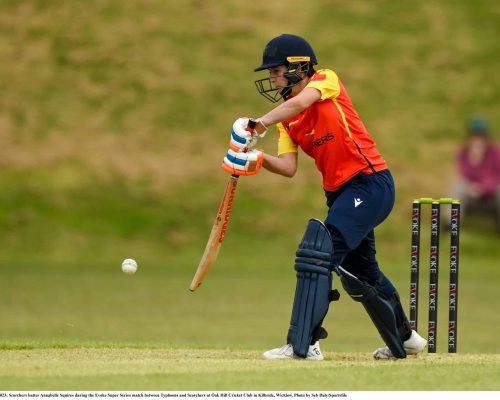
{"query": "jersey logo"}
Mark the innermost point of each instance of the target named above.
(323, 139)
(357, 202)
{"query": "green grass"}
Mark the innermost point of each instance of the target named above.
(188, 369)
(245, 302)
(89, 326)
(114, 117)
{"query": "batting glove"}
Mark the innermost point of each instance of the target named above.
(239, 163)
(241, 138)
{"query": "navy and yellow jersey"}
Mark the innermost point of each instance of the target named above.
(331, 132)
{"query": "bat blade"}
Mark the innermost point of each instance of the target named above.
(216, 235)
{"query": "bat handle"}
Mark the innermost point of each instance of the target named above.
(252, 123)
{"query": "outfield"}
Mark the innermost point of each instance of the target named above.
(114, 118)
(92, 327)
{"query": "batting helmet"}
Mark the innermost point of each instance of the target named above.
(296, 54)
(286, 49)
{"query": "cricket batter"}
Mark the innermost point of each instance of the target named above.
(317, 115)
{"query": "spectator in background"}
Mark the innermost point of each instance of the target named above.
(478, 168)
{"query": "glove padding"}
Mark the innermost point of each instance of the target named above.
(241, 138)
(239, 163)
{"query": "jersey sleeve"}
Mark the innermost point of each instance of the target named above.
(327, 82)
(285, 142)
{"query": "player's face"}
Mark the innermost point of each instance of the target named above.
(277, 78)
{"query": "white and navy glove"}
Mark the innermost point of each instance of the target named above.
(241, 138)
(240, 163)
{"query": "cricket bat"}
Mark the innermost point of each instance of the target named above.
(218, 229)
(217, 234)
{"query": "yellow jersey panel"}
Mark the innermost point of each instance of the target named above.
(285, 142)
(327, 82)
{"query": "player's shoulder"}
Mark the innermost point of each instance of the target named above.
(324, 74)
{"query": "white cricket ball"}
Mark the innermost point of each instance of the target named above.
(129, 266)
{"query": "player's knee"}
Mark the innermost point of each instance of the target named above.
(315, 252)
(343, 237)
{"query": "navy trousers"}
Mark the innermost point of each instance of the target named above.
(354, 211)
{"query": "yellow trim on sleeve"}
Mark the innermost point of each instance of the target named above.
(329, 87)
(285, 142)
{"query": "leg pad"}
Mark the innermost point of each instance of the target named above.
(313, 292)
(379, 309)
